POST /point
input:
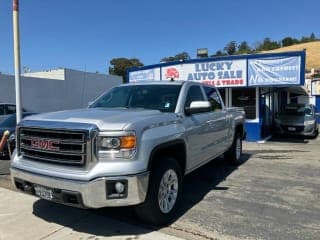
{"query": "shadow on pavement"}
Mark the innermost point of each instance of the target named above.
(291, 139)
(196, 186)
(4, 166)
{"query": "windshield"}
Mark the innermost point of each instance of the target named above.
(159, 97)
(297, 110)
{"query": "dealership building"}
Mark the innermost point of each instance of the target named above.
(260, 83)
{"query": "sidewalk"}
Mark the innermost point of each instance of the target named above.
(26, 217)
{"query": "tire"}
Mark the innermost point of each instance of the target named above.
(233, 155)
(154, 210)
(316, 132)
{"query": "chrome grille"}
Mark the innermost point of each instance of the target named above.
(53, 146)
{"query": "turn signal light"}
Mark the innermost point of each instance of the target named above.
(128, 142)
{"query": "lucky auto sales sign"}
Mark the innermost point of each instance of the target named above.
(228, 73)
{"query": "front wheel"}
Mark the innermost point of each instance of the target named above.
(233, 155)
(164, 193)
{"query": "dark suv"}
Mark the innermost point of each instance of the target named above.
(7, 109)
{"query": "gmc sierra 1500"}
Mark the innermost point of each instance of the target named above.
(132, 146)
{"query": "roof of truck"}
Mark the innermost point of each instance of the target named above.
(156, 83)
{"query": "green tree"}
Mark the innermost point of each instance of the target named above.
(180, 56)
(119, 66)
(313, 37)
(219, 53)
(287, 41)
(231, 48)
(244, 48)
(308, 39)
(268, 44)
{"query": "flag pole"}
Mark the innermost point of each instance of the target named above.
(17, 68)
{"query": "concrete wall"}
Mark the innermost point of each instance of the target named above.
(46, 95)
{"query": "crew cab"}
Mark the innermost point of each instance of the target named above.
(132, 146)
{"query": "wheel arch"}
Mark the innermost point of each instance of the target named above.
(240, 129)
(175, 149)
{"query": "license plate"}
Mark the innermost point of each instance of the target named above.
(291, 128)
(43, 192)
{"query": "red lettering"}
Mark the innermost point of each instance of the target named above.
(44, 144)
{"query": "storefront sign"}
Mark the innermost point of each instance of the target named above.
(274, 71)
(229, 73)
(145, 75)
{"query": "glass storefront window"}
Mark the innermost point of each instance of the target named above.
(246, 98)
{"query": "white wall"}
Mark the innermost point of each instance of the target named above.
(45, 95)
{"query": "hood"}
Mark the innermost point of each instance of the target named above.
(106, 119)
(3, 129)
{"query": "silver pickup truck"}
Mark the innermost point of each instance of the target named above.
(132, 146)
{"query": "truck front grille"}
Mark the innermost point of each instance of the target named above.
(53, 146)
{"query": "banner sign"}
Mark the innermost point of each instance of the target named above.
(274, 71)
(145, 75)
(229, 73)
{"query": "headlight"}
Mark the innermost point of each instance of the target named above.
(109, 147)
(12, 137)
(309, 122)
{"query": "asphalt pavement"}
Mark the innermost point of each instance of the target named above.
(273, 194)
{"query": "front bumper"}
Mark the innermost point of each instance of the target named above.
(299, 130)
(91, 194)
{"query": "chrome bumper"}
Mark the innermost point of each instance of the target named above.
(93, 193)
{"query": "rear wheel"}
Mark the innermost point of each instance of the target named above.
(233, 155)
(164, 193)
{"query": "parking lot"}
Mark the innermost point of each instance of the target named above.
(274, 194)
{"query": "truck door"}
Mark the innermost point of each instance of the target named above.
(198, 133)
(218, 124)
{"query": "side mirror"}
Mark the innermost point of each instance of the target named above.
(198, 107)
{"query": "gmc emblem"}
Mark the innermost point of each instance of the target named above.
(45, 144)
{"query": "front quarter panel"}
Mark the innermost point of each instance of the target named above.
(155, 135)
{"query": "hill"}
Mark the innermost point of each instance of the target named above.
(312, 53)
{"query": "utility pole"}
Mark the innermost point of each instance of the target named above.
(17, 68)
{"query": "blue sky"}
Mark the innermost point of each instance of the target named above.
(87, 34)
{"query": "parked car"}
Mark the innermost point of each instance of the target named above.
(297, 119)
(7, 109)
(9, 123)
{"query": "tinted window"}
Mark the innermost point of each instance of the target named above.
(194, 94)
(1, 110)
(213, 98)
(222, 92)
(10, 109)
(158, 97)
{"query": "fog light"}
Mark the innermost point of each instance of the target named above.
(119, 187)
